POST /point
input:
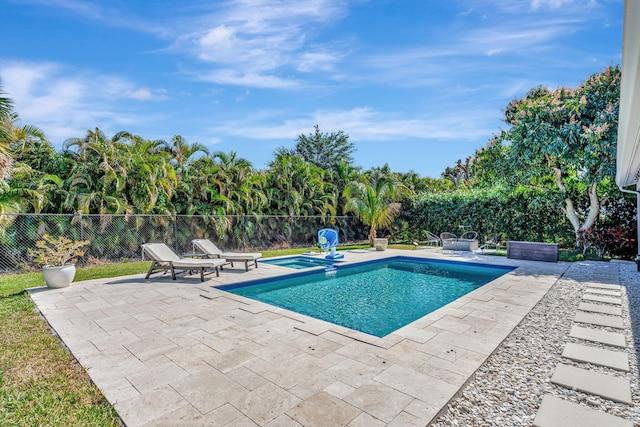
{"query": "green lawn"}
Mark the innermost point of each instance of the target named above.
(40, 383)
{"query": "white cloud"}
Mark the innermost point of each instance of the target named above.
(64, 102)
(317, 61)
(552, 4)
(231, 77)
(250, 42)
(366, 124)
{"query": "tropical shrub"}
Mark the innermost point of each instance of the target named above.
(612, 241)
(525, 214)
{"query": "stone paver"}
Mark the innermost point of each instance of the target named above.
(605, 286)
(598, 335)
(607, 386)
(186, 353)
(600, 308)
(599, 298)
(556, 412)
(599, 319)
(596, 356)
(323, 410)
(606, 292)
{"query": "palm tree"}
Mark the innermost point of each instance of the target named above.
(375, 203)
(151, 178)
(342, 175)
(183, 151)
(297, 187)
(12, 134)
(5, 124)
(14, 201)
(238, 185)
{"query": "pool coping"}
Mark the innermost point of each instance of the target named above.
(162, 350)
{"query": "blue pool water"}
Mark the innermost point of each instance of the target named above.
(299, 262)
(375, 297)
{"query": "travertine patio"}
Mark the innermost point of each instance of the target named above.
(185, 353)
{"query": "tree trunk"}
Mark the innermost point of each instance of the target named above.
(372, 236)
(570, 210)
(594, 208)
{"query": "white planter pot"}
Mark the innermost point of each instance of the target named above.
(380, 244)
(59, 277)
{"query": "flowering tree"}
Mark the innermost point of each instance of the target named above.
(563, 140)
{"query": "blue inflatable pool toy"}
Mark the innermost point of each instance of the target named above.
(328, 240)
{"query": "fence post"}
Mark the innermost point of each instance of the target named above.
(81, 226)
(175, 231)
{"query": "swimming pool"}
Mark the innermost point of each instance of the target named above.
(375, 297)
(300, 262)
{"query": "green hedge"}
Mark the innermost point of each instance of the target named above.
(525, 214)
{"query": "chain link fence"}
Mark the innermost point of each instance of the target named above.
(118, 238)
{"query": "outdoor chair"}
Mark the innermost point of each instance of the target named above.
(494, 241)
(469, 235)
(447, 236)
(207, 247)
(164, 259)
(432, 239)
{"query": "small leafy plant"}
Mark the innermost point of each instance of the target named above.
(57, 251)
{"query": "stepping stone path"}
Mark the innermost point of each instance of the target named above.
(603, 292)
(597, 356)
(599, 319)
(597, 335)
(613, 388)
(601, 308)
(604, 286)
(599, 298)
(556, 412)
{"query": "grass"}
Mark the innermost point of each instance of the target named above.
(40, 382)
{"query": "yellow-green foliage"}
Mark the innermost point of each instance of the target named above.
(57, 251)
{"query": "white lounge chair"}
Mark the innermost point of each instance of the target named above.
(164, 259)
(207, 247)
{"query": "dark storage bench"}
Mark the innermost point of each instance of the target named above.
(534, 251)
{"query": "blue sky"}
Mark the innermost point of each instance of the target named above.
(416, 84)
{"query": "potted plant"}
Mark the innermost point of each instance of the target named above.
(380, 243)
(57, 257)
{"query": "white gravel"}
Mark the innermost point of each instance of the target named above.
(508, 388)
